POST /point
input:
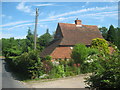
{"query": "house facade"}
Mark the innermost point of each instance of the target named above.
(67, 35)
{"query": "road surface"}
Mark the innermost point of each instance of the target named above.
(68, 82)
(7, 80)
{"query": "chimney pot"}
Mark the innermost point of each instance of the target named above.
(78, 22)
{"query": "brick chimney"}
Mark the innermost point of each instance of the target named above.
(78, 22)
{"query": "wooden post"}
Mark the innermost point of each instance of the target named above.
(35, 31)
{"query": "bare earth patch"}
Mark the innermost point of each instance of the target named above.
(68, 82)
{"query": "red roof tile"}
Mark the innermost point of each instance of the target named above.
(73, 35)
(61, 52)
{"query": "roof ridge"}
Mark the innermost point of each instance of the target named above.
(65, 23)
(82, 24)
(90, 25)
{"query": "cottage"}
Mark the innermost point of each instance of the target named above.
(67, 35)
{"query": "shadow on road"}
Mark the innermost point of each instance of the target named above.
(14, 75)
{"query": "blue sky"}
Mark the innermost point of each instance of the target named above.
(18, 16)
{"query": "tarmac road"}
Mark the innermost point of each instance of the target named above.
(7, 80)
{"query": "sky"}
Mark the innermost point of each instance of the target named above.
(17, 17)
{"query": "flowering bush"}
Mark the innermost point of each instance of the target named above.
(101, 45)
(106, 74)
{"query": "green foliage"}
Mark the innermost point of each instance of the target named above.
(79, 53)
(104, 30)
(30, 40)
(11, 47)
(45, 39)
(106, 72)
(57, 72)
(117, 40)
(111, 34)
(48, 58)
(101, 45)
(92, 51)
(28, 63)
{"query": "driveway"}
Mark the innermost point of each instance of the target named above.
(69, 82)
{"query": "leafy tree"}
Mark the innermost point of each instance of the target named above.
(30, 40)
(103, 30)
(10, 47)
(117, 40)
(79, 53)
(45, 39)
(111, 34)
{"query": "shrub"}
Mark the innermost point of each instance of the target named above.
(92, 51)
(79, 53)
(48, 58)
(57, 72)
(106, 73)
(101, 45)
(28, 63)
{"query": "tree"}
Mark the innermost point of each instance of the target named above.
(103, 30)
(29, 40)
(10, 47)
(118, 38)
(111, 34)
(45, 39)
(79, 53)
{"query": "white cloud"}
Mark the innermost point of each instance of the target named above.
(21, 6)
(85, 10)
(2, 15)
(13, 23)
(25, 26)
(44, 4)
(7, 35)
(27, 9)
(9, 17)
(22, 25)
(20, 37)
(5, 16)
(102, 14)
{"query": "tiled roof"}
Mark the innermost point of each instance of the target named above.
(48, 50)
(61, 52)
(73, 35)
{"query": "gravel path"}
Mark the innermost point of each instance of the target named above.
(69, 82)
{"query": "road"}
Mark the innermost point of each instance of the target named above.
(69, 82)
(7, 80)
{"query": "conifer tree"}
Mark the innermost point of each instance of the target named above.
(111, 34)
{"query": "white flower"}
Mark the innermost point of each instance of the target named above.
(55, 63)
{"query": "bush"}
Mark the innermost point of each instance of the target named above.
(101, 45)
(28, 63)
(92, 51)
(79, 53)
(48, 58)
(106, 73)
(57, 72)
